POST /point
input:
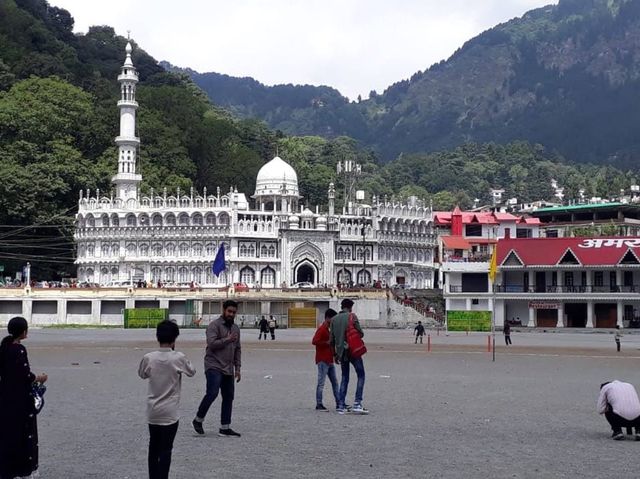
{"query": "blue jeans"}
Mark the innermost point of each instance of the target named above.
(218, 382)
(324, 370)
(358, 365)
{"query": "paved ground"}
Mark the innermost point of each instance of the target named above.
(451, 413)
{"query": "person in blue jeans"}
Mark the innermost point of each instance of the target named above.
(324, 360)
(222, 366)
(339, 326)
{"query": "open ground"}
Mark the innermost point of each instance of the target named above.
(450, 413)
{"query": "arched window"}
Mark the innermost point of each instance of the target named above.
(156, 220)
(359, 254)
(115, 249)
(170, 249)
(197, 275)
(344, 276)
(243, 250)
(223, 219)
(90, 220)
(210, 219)
(131, 220)
(169, 274)
(105, 277)
(183, 249)
(144, 219)
(267, 278)
(264, 251)
(81, 251)
(170, 220)
(91, 250)
(183, 219)
(183, 275)
(404, 255)
(196, 219)
(156, 249)
(131, 249)
(210, 249)
(272, 251)
(252, 251)
(144, 249)
(105, 220)
(115, 220)
(197, 249)
(247, 275)
(106, 250)
(156, 274)
(364, 277)
(89, 275)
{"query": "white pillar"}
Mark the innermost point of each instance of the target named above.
(95, 311)
(62, 311)
(590, 323)
(532, 318)
(468, 304)
(560, 323)
(620, 314)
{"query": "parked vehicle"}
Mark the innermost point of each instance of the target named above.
(119, 284)
(303, 285)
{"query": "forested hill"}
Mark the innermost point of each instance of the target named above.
(565, 76)
(58, 121)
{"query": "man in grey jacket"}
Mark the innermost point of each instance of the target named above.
(221, 364)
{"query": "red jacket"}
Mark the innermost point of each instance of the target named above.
(324, 351)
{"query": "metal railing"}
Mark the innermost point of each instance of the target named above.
(566, 289)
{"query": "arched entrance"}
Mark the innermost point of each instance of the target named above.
(306, 272)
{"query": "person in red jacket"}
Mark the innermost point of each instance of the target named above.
(324, 359)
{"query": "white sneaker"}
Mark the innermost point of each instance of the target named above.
(359, 409)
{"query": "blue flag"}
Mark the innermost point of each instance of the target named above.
(218, 265)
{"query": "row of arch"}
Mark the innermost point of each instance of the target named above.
(156, 219)
(158, 250)
(384, 254)
(157, 202)
(403, 210)
(250, 250)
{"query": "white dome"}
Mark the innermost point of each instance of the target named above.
(306, 213)
(294, 219)
(273, 176)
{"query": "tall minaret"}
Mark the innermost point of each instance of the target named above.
(127, 179)
(332, 199)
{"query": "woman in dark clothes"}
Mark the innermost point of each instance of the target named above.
(19, 438)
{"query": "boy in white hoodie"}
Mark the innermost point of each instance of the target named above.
(164, 369)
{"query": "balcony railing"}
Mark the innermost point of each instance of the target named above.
(565, 289)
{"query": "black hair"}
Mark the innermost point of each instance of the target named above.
(346, 303)
(604, 384)
(229, 303)
(330, 313)
(16, 327)
(167, 332)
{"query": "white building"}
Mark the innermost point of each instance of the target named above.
(270, 239)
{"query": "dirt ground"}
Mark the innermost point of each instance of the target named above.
(451, 412)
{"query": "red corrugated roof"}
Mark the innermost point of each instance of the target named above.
(455, 242)
(605, 251)
(468, 217)
(529, 221)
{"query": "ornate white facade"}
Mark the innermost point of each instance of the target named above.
(269, 242)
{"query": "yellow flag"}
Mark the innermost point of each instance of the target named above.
(493, 266)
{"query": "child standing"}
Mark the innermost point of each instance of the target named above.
(618, 337)
(163, 369)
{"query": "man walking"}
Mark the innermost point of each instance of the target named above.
(620, 405)
(419, 332)
(264, 328)
(339, 326)
(221, 364)
(507, 332)
(324, 360)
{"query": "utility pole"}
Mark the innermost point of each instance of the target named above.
(364, 252)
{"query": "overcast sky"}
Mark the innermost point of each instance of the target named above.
(353, 45)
